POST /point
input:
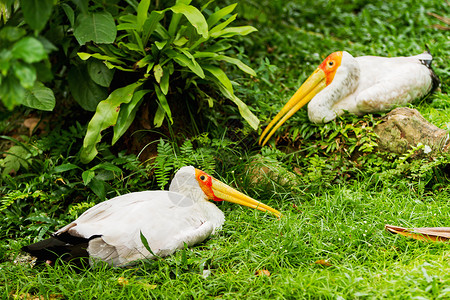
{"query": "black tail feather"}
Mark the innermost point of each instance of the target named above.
(67, 247)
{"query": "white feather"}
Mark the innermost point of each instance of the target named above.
(369, 84)
(167, 219)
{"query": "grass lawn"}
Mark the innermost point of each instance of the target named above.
(330, 242)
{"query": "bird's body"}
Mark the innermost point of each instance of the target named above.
(169, 220)
(359, 85)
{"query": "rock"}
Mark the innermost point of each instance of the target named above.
(403, 128)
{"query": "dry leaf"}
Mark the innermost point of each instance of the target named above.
(262, 272)
(423, 233)
(122, 281)
(323, 262)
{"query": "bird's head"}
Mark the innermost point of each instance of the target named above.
(213, 189)
(321, 78)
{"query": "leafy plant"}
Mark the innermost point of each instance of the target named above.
(190, 49)
(24, 65)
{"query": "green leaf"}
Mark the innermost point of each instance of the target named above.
(215, 17)
(194, 16)
(64, 168)
(96, 27)
(86, 56)
(98, 187)
(40, 97)
(184, 61)
(163, 102)
(87, 176)
(159, 116)
(222, 25)
(69, 13)
(238, 63)
(29, 50)
(99, 73)
(107, 166)
(36, 12)
(164, 84)
(11, 92)
(84, 90)
(148, 59)
(11, 34)
(158, 72)
(150, 25)
(142, 12)
(219, 74)
(25, 73)
(232, 31)
(105, 116)
(226, 89)
(126, 114)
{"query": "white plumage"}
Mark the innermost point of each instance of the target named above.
(167, 219)
(366, 84)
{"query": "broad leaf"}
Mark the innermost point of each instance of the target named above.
(69, 13)
(232, 31)
(11, 92)
(222, 25)
(105, 116)
(84, 90)
(12, 34)
(86, 56)
(36, 12)
(159, 116)
(150, 25)
(25, 73)
(40, 97)
(163, 102)
(142, 13)
(96, 27)
(98, 187)
(64, 168)
(127, 113)
(215, 17)
(29, 50)
(158, 72)
(194, 16)
(99, 73)
(87, 176)
(226, 88)
(238, 63)
(184, 61)
(164, 84)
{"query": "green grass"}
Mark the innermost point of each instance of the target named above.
(336, 211)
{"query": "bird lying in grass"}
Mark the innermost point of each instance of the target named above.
(117, 231)
(359, 85)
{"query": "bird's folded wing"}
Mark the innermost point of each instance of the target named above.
(423, 233)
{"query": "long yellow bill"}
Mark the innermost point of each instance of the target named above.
(227, 193)
(313, 85)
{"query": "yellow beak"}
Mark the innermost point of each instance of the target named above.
(227, 193)
(311, 87)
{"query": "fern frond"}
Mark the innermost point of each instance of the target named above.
(164, 163)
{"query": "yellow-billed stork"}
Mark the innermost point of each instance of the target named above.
(111, 231)
(359, 85)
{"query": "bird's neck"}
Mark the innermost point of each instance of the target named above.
(321, 109)
(204, 207)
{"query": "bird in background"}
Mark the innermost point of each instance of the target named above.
(112, 231)
(359, 85)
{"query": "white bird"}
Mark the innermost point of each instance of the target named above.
(111, 231)
(359, 85)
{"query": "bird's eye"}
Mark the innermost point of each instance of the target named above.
(202, 177)
(330, 63)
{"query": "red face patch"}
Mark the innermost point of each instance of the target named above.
(330, 65)
(205, 182)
